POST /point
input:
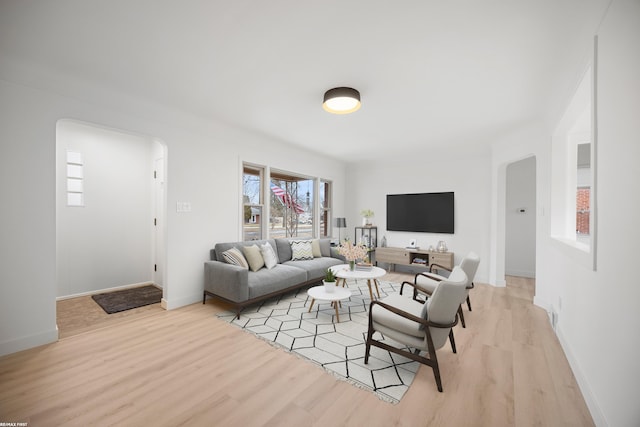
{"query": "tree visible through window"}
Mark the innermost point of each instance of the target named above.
(252, 202)
(291, 213)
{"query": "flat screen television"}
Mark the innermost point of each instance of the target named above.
(423, 212)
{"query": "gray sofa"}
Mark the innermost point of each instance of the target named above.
(241, 287)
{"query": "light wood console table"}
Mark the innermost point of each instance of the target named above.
(412, 257)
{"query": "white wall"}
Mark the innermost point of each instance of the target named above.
(203, 168)
(520, 218)
(598, 322)
(469, 176)
(107, 242)
(597, 310)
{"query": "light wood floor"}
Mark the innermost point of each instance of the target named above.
(185, 367)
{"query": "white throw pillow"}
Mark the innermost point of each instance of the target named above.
(269, 256)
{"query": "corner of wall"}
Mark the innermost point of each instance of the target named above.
(24, 343)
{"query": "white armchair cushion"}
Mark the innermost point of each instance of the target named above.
(384, 317)
(427, 284)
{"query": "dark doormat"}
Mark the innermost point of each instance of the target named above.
(114, 302)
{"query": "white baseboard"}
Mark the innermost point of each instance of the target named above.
(100, 291)
(596, 413)
(521, 273)
(31, 341)
(173, 303)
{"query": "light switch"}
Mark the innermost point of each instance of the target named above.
(183, 207)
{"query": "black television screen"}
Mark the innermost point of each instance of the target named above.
(423, 212)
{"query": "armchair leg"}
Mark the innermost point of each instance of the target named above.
(461, 316)
(452, 341)
(370, 333)
(434, 362)
(468, 303)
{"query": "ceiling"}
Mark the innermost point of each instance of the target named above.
(432, 74)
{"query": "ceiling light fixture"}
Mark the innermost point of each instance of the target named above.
(341, 100)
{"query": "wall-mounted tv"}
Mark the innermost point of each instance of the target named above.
(423, 212)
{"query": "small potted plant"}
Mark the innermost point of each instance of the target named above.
(367, 214)
(329, 281)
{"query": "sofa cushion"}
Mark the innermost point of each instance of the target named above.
(269, 256)
(325, 247)
(234, 256)
(316, 267)
(283, 250)
(280, 277)
(301, 250)
(253, 256)
(315, 248)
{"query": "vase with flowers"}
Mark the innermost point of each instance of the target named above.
(352, 252)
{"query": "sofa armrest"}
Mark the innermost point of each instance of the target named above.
(226, 280)
(336, 254)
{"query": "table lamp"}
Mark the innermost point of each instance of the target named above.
(340, 223)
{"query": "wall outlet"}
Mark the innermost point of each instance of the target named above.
(553, 317)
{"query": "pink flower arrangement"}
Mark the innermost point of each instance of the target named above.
(351, 251)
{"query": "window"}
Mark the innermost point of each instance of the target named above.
(278, 203)
(325, 208)
(583, 193)
(291, 208)
(75, 176)
(252, 201)
(573, 183)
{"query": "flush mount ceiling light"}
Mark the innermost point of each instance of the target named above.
(341, 100)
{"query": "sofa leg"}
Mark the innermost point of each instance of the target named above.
(204, 297)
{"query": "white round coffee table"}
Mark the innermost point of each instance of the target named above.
(343, 272)
(318, 293)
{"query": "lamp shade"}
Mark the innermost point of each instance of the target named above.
(341, 222)
(341, 100)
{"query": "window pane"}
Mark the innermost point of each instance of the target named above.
(325, 209)
(252, 201)
(291, 206)
(252, 228)
(582, 211)
(583, 191)
(251, 188)
(74, 157)
(74, 171)
(75, 199)
(74, 185)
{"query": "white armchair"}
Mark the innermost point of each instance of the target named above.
(423, 327)
(426, 282)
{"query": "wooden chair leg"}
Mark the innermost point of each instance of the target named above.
(468, 303)
(433, 362)
(461, 316)
(452, 341)
(368, 343)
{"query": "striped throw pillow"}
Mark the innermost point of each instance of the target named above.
(301, 250)
(234, 256)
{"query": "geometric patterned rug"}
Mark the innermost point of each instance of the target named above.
(338, 347)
